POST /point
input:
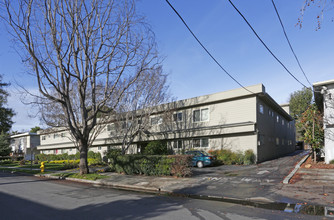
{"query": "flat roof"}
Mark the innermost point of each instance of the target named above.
(327, 82)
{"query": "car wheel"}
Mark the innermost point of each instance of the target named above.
(200, 164)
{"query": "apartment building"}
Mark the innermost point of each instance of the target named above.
(324, 98)
(25, 144)
(238, 120)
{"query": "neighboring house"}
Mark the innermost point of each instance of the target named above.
(25, 144)
(237, 120)
(324, 97)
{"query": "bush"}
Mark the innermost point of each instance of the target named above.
(151, 165)
(65, 156)
(7, 161)
(249, 157)
(181, 165)
(156, 148)
(228, 157)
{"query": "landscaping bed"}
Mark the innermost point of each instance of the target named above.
(310, 164)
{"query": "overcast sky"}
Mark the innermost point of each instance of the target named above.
(192, 72)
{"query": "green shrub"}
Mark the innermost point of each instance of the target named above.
(228, 157)
(151, 165)
(65, 156)
(7, 161)
(249, 157)
(156, 148)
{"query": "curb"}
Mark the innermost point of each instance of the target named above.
(292, 173)
(255, 201)
(101, 183)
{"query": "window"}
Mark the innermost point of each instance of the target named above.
(111, 127)
(261, 109)
(70, 150)
(204, 142)
(156, 120)
(196, 143)
(201, 142)
(282, 121)
(177, 116)
(126, 125)
(201, 115)
(277, 119)
(277, 141)
(269, 112)
(62, 135)
(99, 148)
(177, 144)
(260, 140)
(43, 137)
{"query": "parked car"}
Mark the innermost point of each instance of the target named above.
(201, 158)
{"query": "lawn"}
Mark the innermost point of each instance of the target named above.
(21, 170)
(48, 166)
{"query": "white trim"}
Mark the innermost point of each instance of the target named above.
(200, 114)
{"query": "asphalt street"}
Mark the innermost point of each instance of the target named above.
(26, 197)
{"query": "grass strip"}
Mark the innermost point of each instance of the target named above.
(90, 176)
(18, 170)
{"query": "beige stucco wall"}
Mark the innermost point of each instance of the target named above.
(234, 123)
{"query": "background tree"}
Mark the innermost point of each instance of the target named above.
(4, 145)
(34, 129)
(311, 122)
(85, 56)
(299, 102)
(6, 114)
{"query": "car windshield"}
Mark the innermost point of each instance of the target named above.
(205, 153)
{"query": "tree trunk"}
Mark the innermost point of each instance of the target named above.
(83, 165)
(315, 155)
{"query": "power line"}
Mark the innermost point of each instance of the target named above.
(286, 36)
(206, 50)
(264, 43)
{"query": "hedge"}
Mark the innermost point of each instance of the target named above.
(152, 165)
(228, 157)
(93, 158)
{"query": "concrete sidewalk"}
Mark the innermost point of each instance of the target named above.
(260, 183)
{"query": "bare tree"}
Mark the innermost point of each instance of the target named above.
(142, 99)
(85, 56)
(322, 7)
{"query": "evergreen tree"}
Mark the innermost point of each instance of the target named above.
(4, 145)
(6, 114)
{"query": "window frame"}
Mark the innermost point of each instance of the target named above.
(177, 143)
(176, 117)
(158, 118)
(261, 109)
(201, 115)
(201, 142)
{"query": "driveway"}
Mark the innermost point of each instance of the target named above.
(237, 181)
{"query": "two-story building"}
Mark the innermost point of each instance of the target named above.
(238, 120)
(25, 144)
(324, 97)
